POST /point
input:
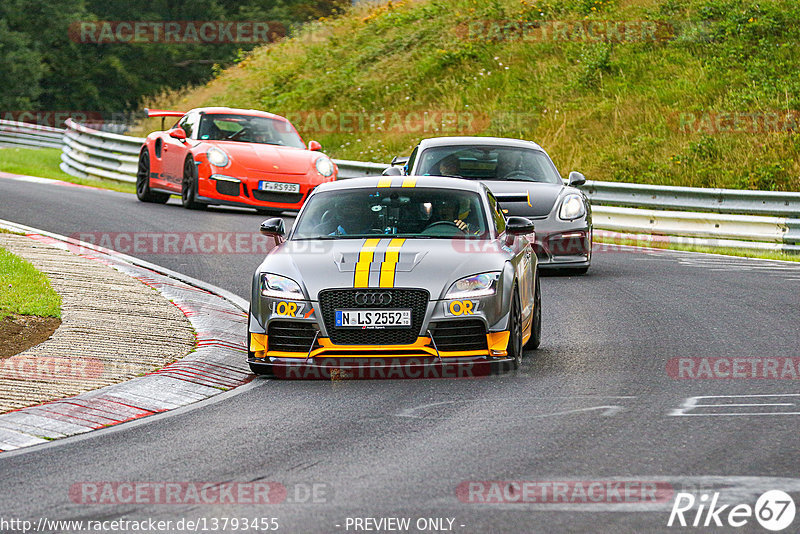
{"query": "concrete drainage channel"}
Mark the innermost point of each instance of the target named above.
(217, 364)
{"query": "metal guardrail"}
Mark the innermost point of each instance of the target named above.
(707, 217)
(90, 153)
(779, 204)
(706, 229)
(357, 169)
(23, 134)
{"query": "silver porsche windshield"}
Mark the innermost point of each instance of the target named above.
(403, 212)
(488, 163)
(248, 129)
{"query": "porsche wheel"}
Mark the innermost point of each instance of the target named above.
(515, 327)
(536, 327)
(143, 192)
(189, 187)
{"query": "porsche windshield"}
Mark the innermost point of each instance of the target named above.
(248, 129)
(410, 212)
(488, 163)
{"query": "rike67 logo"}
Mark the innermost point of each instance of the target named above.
(774, 510)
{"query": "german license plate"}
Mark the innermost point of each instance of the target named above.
(279, 187)
(373, 318)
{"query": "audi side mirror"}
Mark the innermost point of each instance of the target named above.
(576, 179)
(518, 226)
(273, 227)
(314, 146)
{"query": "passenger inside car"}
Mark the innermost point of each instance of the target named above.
(351, 216)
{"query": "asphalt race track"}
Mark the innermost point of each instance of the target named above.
(594, 403)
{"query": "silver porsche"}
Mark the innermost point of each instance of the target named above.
(401, 273)
(525, 181)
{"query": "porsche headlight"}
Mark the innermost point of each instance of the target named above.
(277, 286)
(217, 157)
(479, 285)
(571, 208)
(324, 166)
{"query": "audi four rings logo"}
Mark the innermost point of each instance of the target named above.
(364, 298)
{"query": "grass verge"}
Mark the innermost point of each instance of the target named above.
(44, 163)
(24, 290)
(712, 101)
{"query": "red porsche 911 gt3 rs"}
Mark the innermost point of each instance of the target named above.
(241, 157)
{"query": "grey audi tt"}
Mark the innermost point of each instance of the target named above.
(406, 273)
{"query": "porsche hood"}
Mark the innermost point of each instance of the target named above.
(526, 199)
(276, 159)
(432, 264)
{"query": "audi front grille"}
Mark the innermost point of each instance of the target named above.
(331, 300)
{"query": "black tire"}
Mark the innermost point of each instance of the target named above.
(143, 192)
(189, 186)
(536, 327)
(515, 327)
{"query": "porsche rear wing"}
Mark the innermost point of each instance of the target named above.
(163, 113)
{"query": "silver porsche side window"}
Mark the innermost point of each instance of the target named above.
(407, 212)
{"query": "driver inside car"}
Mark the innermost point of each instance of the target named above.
(447, 211)
(508, 164)
(450, 166)
(351, 216)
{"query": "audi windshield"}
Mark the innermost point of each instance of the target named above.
(412, 212)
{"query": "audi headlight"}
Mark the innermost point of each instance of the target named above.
(277, 286)
(479, 285)
(571, 208)
(324, 166)
(217, 157)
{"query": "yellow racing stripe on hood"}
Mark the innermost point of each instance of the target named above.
(365, 257)
(389, 264)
